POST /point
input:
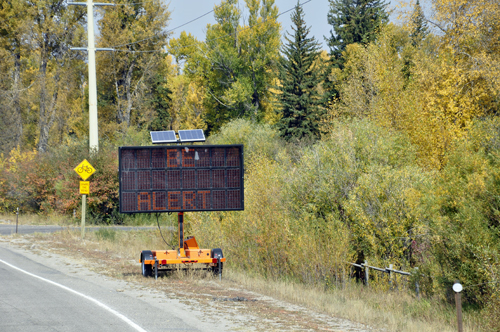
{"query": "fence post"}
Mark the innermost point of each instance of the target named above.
(457, 288)
(417, 287)
(367, 277)
(17, 218)
(390, 276)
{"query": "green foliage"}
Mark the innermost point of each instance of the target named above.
(236, 65)
(310, 208)
(352, 21)
(297, 92)
(161, 102)
(258, 139)
(463, 213)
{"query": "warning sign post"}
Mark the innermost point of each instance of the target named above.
(84, 170)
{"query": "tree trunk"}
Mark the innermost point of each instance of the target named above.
(18, 121)
(126, 97)
(47, 112)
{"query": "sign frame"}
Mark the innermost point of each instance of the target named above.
(126, 193)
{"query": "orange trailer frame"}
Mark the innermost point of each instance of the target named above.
(188, 253)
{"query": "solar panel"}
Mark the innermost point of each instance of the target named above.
(194, 135)
(163, 137)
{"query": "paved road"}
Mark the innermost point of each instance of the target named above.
(8, 229)
(44, 293)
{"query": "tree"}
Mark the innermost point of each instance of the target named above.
(236, 65)
(352, 21)
(13, 26)
(299, 98)
(160, 99)
(56, 28)
(418, 25)
(137, 30)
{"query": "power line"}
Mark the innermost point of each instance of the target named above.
(253, 26)
(213, 39)
(168, 31)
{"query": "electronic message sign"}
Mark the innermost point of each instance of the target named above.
(181, 178)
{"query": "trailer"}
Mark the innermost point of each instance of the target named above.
(188, 253)
(179, 179)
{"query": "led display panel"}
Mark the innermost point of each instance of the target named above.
(181, 178)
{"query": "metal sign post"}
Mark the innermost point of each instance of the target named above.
(84, 169)
(84, 206)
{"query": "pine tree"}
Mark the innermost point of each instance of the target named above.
(352, 21)
(161, 102)
(418, 24)
(298, 91)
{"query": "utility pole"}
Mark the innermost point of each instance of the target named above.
(93, 123)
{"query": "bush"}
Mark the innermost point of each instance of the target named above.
(309, 208)
(258, 139)
(48, 183)
(463, 212)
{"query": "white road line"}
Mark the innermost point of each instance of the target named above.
(100, 304)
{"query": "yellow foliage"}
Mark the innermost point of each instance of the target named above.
(17, 156)
(268, 236)
(187, 103)
(431, 92)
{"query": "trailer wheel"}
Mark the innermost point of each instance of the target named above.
(215, 269)
(147, 269)
(217, 253)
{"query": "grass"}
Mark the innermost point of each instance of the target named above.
(394, 311)
(34, 219)
(70, 220)
(119, 251)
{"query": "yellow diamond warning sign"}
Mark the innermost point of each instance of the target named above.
(84, 169)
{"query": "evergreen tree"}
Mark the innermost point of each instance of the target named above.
(300, 112)
(161, 102)
(352, 21)
(418, 24)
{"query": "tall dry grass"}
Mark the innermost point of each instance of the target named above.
(391, 311)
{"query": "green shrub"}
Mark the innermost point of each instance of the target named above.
(463, 213)
(258, 139)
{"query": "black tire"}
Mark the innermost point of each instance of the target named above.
(215, 269)
(147, 269)
(217, 253)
